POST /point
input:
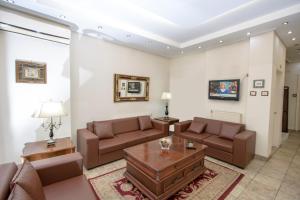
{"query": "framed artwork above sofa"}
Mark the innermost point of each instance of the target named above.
(131, 88)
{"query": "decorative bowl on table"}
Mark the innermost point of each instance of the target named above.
(165, 143)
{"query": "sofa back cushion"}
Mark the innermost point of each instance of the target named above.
(7, 172)
(125, 125)
(103, 129)
(197, 127)
(213, 126)
(229, 130)
(145, 122)
(27, 178)
(18, 193)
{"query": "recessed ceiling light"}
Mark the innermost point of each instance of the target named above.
(62, 16)
(199, 47)
(221, 41)
(100, 27)
(290, 32)
(168, 47)
(293, 38)
(128, 35)
(285, 23)
(10, 1)
(248, 33)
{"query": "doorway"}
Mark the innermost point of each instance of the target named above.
(285, 110)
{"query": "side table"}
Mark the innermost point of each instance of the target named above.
(39, 150)
(169, 120)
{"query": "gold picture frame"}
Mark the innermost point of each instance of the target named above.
(31, 72)
(131, 88)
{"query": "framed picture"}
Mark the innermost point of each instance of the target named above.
(264, 93)
(31, 72)
(252, 93)
(131, 88)
(259, 83)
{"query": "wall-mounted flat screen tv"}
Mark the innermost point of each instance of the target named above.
(224, 89)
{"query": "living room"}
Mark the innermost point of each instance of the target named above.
(87, 62)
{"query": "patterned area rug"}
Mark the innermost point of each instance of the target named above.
(214, 184)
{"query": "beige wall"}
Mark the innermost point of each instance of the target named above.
(20, 100)
(93, 63)
(189, 76)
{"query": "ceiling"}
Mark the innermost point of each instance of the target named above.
(173, 27)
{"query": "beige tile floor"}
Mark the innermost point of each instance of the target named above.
(278, 178)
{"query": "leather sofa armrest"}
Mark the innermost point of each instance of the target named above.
(88, 146)
(160, 125)
(182, 126)
(244, 148)
(59, 168)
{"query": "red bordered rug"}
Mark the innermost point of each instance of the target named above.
(214, 184)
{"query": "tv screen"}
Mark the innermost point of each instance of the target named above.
(224, 89)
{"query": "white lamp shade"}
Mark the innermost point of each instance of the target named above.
(166, 96)
(50, 109)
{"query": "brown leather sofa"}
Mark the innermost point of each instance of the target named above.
(57, 178)
(238, 150)
(126, 132)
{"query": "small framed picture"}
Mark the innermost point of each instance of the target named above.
(264, 93)
(31, 72)
(259, 83)
(252, 93)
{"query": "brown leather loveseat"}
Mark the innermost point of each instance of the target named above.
(227, 141)
(57, 178)
(103, 141)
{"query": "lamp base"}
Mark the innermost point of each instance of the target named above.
(50, 142)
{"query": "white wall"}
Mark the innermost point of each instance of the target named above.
(292, 79)
(93, 63)
(19, 100)
(189, 76)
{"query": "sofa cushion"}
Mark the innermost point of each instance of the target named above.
(125, 140)
(28, 179)
(228, 131)
(219, 143)
(103, 129)
(145, 122)
(194, 136)
(76, 188)
(125, 125)
(7, 172)
(213, 126)
(18, 193)
(197, 127)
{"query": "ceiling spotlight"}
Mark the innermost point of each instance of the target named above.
(10, 1)
(221, 41)
(285, 23)
(100, 27)
(199, 47)
(290, 32)
(62, 16)
(168, 47)
(248, 33)
(293, 38)
(128, 35)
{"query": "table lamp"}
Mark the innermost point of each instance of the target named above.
(51, 111)
(166, 96)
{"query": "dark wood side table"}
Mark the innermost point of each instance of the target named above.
(39, 150)
(170, 120)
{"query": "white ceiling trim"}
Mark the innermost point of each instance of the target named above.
(244, 26)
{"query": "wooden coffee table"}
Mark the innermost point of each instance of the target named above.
(160, 174)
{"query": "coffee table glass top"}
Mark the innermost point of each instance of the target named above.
(151, 154)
